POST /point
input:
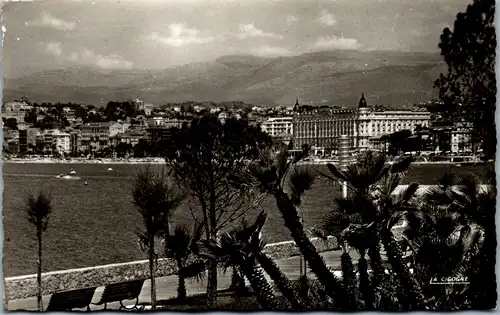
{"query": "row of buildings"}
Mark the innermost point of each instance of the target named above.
(87, 138)
(320, 128)
(365, 125)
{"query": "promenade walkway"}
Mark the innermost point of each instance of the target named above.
(167, 286)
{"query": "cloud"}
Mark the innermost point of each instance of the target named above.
(180, 35)
(88, 57)
(340, 43)
(327, 18)
(54, 48)
(271, 51)
(291, 19)
(113, 61)
(249, 30)
(50, 21)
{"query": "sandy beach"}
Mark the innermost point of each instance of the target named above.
(161, 161)
(84, 161)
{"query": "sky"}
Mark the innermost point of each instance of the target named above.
(154, 34)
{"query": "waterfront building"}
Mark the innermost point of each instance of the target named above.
(322, 127)
(31, 136)
(75, 141)
(57, 140)
(277, 126)
(23, 140)
(95, 136)
(61, 141)
(364, 125)
(375, 122)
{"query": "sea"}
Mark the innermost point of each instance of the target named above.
(96, 223)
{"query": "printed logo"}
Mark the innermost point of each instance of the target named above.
(458, 279)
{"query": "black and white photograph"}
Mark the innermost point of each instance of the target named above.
(249, 155)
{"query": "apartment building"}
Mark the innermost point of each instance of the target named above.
(277, 126)
(95, 136)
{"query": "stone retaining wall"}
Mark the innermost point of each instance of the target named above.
(25, 286)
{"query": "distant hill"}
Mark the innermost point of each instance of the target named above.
(330, 77)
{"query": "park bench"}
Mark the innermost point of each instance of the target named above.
(117, 292)
(68, 300)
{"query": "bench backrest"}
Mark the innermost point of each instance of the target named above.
(68, 300)
(122, 291)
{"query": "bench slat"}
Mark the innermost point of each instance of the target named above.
(118, 292)
(68, 300)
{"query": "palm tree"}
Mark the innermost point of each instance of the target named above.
(270, 174)
(180, 245)
(155, 199)
(38, 210)
(372, 183)
(300, 182)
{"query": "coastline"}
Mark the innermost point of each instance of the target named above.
(85, 161)
(162, 161)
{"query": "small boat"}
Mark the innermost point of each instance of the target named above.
(67, 176)
(72, 172)
(109, 169)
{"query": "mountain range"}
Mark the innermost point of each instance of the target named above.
(329, 77)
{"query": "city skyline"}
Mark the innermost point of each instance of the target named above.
(151, 34)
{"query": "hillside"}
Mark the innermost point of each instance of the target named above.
(333, 77)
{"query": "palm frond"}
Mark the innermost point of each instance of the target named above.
(260, 221)
(403, 197)
(323, 235)
(282, 160)
(438, 195)
(389, 184)
(179, 243)
(195, 270)
(447, 180)
(300, 180)
(402, 165)
(39, 208)
(336, 172)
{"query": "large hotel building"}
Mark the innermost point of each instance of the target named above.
(321, 128)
